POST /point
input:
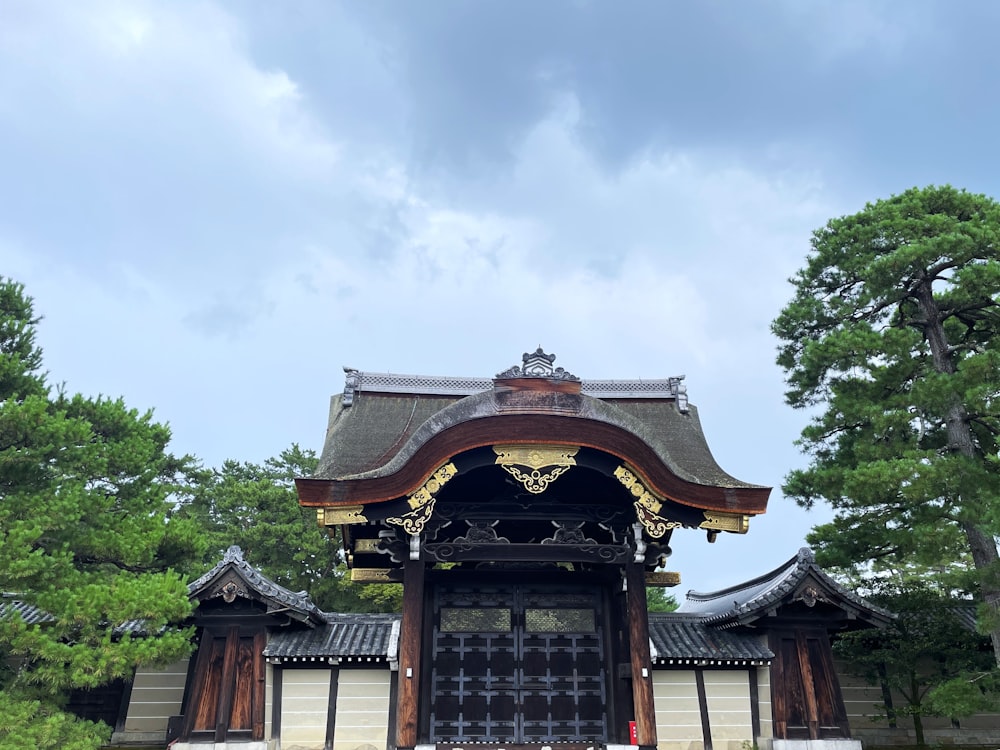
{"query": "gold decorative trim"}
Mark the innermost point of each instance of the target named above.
(719, 521)
(414, 521)
(430, 488)
(525, 463)
(375, 575)
(656, 526)
(663, 579)
(647, 505)
(366, 545)
(346, 514)
(422, 501)
(634, 485)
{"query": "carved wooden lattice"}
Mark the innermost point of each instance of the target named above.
(529, 668)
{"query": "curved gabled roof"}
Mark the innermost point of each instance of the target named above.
(388, 433)
(225, 578)
(799, 579)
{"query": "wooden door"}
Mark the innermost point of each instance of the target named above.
(518, 664)
(228, 687)
(806, 698)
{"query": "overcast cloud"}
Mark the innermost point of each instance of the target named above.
(216, 205)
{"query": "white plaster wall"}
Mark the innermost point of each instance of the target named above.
(764, 699)
(305, 698)
(268, 697)
(156, 696)
(362, 709)
(678, 718)
(727, 694)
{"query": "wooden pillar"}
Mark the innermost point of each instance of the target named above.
(706, 719)
(410, 640)
(277, 679)
(642, 666)
(331, 708)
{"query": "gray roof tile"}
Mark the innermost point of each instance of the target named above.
(275, 596)
(685, 639)
(350, 637)
(751, 599)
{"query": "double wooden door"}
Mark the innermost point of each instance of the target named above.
(805, 693)
(518, 664)
(226, 691)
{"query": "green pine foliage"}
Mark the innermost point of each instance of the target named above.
(88, 534)
(256, 507)
(891, 342)
(658, 600)
(927, 661)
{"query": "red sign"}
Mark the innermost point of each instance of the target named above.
(633, 733)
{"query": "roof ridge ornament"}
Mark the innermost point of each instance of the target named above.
(537, 364)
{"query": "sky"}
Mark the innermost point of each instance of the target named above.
(218, 205)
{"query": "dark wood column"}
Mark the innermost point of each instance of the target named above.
(410, 640)
(642, 666)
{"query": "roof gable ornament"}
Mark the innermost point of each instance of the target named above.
(537, 364)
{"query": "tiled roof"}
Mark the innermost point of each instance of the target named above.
(343, 637)
(277, 597)
(747, 601)
(32, 615)
(381, 427)
(683, 639)
(29, 612)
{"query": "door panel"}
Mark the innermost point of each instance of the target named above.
(530, 667)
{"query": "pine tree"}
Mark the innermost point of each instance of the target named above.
(893, 336)
(87, 536)
(256, 507)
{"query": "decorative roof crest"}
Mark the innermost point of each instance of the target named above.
(537, 364)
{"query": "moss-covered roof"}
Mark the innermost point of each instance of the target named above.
(387, 433)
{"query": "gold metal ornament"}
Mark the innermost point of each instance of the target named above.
(375, 575)
(720, 521)
(346, 514)
(663, 578)
(366, 545)
(526, 463)
(422, 501)
(647, 505)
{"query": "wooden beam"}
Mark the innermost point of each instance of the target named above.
(331, 708)
(706, 722)
(779, 705)
(259, 685)
(642, 665)
(276, 676)
(753, 677)
(410, 640)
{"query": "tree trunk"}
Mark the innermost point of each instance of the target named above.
(961, 441)
(918, 729)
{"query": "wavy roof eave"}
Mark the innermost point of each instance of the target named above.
(379, 434)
